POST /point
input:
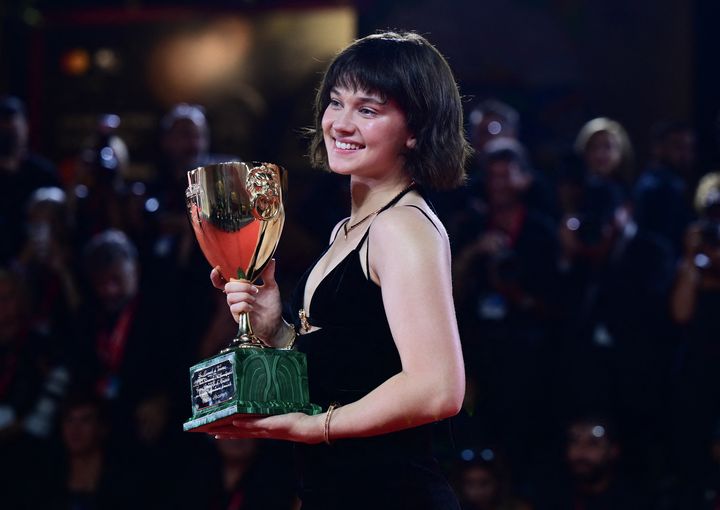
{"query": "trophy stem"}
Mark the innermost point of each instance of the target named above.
(245, 337)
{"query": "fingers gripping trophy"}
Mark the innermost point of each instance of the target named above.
(237, 213)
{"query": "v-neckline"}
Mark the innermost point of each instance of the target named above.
(308, 305)
(390, 204)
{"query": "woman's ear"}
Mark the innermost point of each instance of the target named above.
(411, 142)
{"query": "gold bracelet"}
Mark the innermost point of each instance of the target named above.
(330, 410)
(291, 342)
(288, 336)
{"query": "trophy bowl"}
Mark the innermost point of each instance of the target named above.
(237, 214)
(236, 211)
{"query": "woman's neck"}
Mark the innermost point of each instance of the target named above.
(367, 196)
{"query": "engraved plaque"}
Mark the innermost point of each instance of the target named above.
(214, 384)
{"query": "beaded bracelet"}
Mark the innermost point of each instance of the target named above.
(330, 410)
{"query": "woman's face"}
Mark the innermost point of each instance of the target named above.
(364, 134)
(603, 153)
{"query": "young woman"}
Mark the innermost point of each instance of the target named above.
(375, 314)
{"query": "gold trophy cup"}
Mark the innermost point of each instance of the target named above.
(236, 211)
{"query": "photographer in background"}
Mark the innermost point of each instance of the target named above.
(21, 173)
(615, 281)
(504, 274)
(699, 269)
(594, 477)
(662, 193)
(694, 307)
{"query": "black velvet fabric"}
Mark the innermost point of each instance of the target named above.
(352, 353)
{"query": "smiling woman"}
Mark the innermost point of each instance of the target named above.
(412, 74)
(375, 314)
(364, 133)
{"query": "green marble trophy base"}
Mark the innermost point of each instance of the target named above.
(246, 382)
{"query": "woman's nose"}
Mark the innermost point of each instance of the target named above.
(342, 122)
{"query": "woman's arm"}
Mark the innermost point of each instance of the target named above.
(411, 262)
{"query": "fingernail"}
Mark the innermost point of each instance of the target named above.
(255, 289)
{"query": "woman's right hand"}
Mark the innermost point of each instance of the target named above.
(261, 301)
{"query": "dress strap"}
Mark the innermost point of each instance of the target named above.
(424, 214)
(367, 236)
(387, 206)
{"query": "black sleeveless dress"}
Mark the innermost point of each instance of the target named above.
(349, 356)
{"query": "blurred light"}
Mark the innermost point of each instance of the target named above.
(107, 60)
(467, 455)
(152, 205)
(110, 120)
(487, 455)
(494, 128)
(598, 431)
(49, 194)
(184, 64)
(75, 62)
(573, 224)
(602, 337)
(107, 154)
(81, 191)
(138, 188)
(702, 261)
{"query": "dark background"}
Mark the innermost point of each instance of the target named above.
(559, 62)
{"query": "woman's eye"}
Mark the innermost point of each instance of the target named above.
(367, 111)
(334, 103)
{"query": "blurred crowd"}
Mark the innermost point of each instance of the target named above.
(585, 295)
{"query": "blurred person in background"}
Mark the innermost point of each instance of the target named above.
(122, 350)
(699, 268)
(606, 151)
(184, 144)
(170, 253)
(504, 279)
(244, 474)
(21, 173)
(663, 192)
(87, 473)
(32, 371)
(594, 478)
(491, 119)
(159, 451)
(694, 306)
(617, 343)
(49, 264)
(98, 188)
(33, 380)
(485, 485)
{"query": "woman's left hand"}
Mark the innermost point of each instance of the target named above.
(298, 427)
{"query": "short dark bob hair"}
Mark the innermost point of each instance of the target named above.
(406, 68)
